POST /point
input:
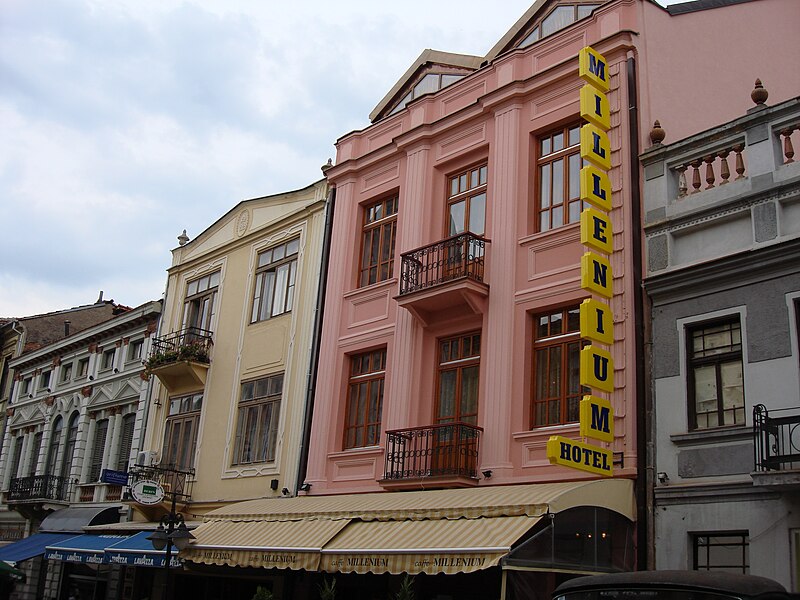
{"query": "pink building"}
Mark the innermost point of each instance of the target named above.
(450, 342)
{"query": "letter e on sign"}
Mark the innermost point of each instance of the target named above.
(596, 230)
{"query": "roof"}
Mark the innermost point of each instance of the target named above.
(749, 585)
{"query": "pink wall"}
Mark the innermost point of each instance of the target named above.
(496, 115)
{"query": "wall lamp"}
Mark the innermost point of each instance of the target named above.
(305, 487)
(285, 491)
(662, 477)
(487, 473)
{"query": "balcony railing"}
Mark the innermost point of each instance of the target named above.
(777, 438)
(454, 258)
(449, 450)
(39, 487)
(174, 480)
(192, 343)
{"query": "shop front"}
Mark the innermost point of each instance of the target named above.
(489, 542)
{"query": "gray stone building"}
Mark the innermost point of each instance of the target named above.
(721, 213)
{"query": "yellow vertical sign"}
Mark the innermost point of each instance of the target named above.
(596, 317)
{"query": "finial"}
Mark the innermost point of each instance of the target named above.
(657, 133)
(759, 94)
(183, 239)
(327, 165)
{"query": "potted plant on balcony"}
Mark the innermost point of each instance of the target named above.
(161, 358)
(193, 351)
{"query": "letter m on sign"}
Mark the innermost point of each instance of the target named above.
(597, 419)
(592, 68)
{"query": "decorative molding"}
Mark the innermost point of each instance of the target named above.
(242, 222)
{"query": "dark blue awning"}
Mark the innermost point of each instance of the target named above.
(85, 548)
(31, 546)
(138, 551)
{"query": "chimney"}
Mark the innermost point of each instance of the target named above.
(66, 328)
(100, 297)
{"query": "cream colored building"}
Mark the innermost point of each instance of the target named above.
(231, 360)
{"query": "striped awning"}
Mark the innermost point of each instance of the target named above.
(438, 546)
(437, 531)
(266, 544)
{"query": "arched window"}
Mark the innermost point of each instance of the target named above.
(55, 442)
(69, 447)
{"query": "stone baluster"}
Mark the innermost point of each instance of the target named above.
(788, 149)
(739, 161)
(724, 170)
(710, 177)
(696, 164)
(683, 189)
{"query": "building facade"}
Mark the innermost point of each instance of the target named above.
(230, 365)
(76, 413)
(722, 223)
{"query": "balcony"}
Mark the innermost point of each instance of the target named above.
(435, 456)
(180, 360)
(39, 488)
(777, 447)
(444, 279)
(176, 482)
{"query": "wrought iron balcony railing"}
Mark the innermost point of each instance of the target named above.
(777, 438)
(191, 343)
(39, 487)
(460, 256)
(448, 450)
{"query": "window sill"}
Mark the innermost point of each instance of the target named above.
(712, 436)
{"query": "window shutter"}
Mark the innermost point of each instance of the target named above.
(100, 434)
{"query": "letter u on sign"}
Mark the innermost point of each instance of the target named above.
(597, 368)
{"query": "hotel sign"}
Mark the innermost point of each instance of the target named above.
(596, 317)
(147, 491)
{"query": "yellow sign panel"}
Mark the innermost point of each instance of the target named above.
(596, 275)
(596, 321)
(597, 368)
(570, 453)
(596, 187)
(595, 107)
(597, 419)
(595, 146)
(593, 68)
(596, 230)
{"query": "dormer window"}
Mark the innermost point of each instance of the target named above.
(559, 18)
(431, 82)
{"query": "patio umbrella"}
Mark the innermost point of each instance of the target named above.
(6, 570)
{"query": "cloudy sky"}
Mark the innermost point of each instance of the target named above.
(123, 122)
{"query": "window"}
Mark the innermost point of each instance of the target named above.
(365, 399)
(83, 367)
(98, 449)
(69, 446)
(556, 368)
(16, 457)
(180, 436)
(66, 373)
(198, 310)
(135, 350)
(26, 386)
(459, 366)
(44, 380)
(466, 201)
(108, 359)
(377, 250)
(55, 443)
(431, 82)
(558, 19)
(275, 278)
(37, 446)
(716, 381)
(727, 552)
(126, 441)
(257, 426)
(558, 168)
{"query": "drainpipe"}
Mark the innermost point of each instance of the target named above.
(644, 408)
(313, 366)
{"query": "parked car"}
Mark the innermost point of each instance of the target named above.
(672, 585)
